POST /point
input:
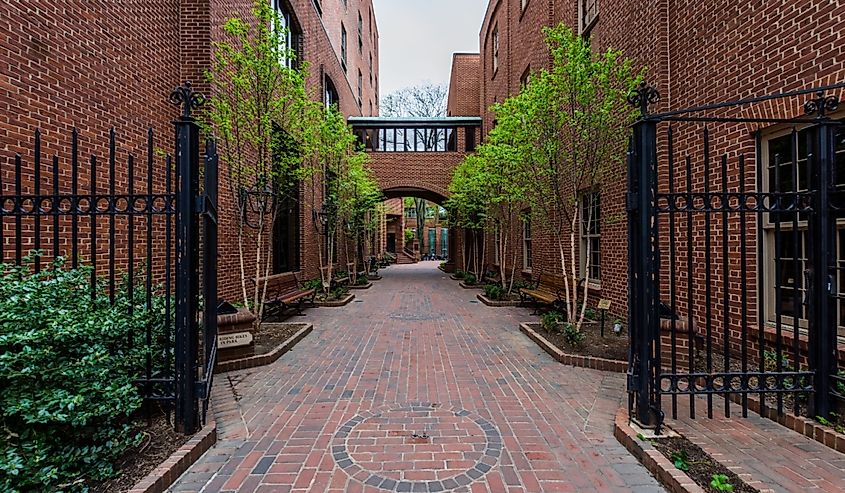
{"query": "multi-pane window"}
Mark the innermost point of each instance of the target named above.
(495, 49)
(343, 46)
(527, 250)
(360, 89)
(331, 96)
(525, 79)
(589, 10)
(289, 41)
(785, 156)
(591, 235)
(360, 34)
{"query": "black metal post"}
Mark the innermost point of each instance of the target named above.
(822, 234)
(187, 260)
(642, 374)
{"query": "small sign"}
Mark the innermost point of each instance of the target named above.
(237, 339)
(604, 304)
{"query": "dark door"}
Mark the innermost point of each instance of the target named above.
(391, 242)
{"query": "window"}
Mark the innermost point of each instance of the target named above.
(371, 108)
(444, 242)
(495, 49)
(343, 46)
(525, 79)
(371, 69)
(318, 7)
(360, 34)
(523, 4)
(591, 236)
(589, 13)
(785, 247)
(331, 97)
(527, 251)
(286, 228)
(360, 89)
(291, 39)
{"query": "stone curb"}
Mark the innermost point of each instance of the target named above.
(574, 359)
(675, 480)
(452, 277)
(163, 476)
(335, 304)
(264, 359)
(487, 301)
(825, 435)
(474, 286)
(362, 286)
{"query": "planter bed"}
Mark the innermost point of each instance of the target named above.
(456, 278)
(280, 339)
(656, 455)
(500, 303)
(335, 303)
(374, 277)
(362, 286)
(567, 357)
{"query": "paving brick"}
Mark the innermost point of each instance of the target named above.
(416, 357)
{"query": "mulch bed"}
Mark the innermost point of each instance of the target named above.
(610, 346)
(702, 467)
(272, 335)
(160, 442)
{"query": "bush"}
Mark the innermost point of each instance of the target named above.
(459, 274)
(313, 284)
(66, 378)
(572, 335)
(494, 292)
(469, 279)
(551, 321)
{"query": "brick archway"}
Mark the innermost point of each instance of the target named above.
(413, 188)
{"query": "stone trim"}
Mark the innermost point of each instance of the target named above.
(335, 304)
(474, 286)
(363, 286)
(675, 480)
(163, 476)
(264, 359)
(487, 301)
(574, 359)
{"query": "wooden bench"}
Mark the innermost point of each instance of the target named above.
(550, 291)
(331, 275)
(284, 291)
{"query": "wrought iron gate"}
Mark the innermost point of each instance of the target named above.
(734, 271)
(123, 227)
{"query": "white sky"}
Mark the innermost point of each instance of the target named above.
(417, 38)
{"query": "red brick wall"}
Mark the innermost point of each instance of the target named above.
(465, 85)
(695, 54)
(60, 70)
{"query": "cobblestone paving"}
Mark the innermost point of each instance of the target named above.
(417, 387)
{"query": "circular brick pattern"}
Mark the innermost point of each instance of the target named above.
(417, 447)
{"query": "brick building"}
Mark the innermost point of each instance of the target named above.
(695, 54)
(59, 71)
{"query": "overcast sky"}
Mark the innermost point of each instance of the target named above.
(417, 38)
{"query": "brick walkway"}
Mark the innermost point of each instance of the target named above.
(417, 388)
(760, 450)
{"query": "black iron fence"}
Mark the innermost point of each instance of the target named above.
(121, 219)
(736, 255)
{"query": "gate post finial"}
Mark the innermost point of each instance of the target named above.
(642, 97)
(185, 97)
(821, 105)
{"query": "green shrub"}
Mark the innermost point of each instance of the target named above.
(313, 284)
(494, 292)
(551, 321)
(459, 274)
(362, 280)
(66, 377)
(470, 279)
(572, 335)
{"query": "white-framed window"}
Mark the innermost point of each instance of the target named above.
(343, 45)
(527, 247)
(360, 34)
(289, 40)
(588, 13)
(784, 155)
(525, 79)
(495, 49)
(591, 236)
